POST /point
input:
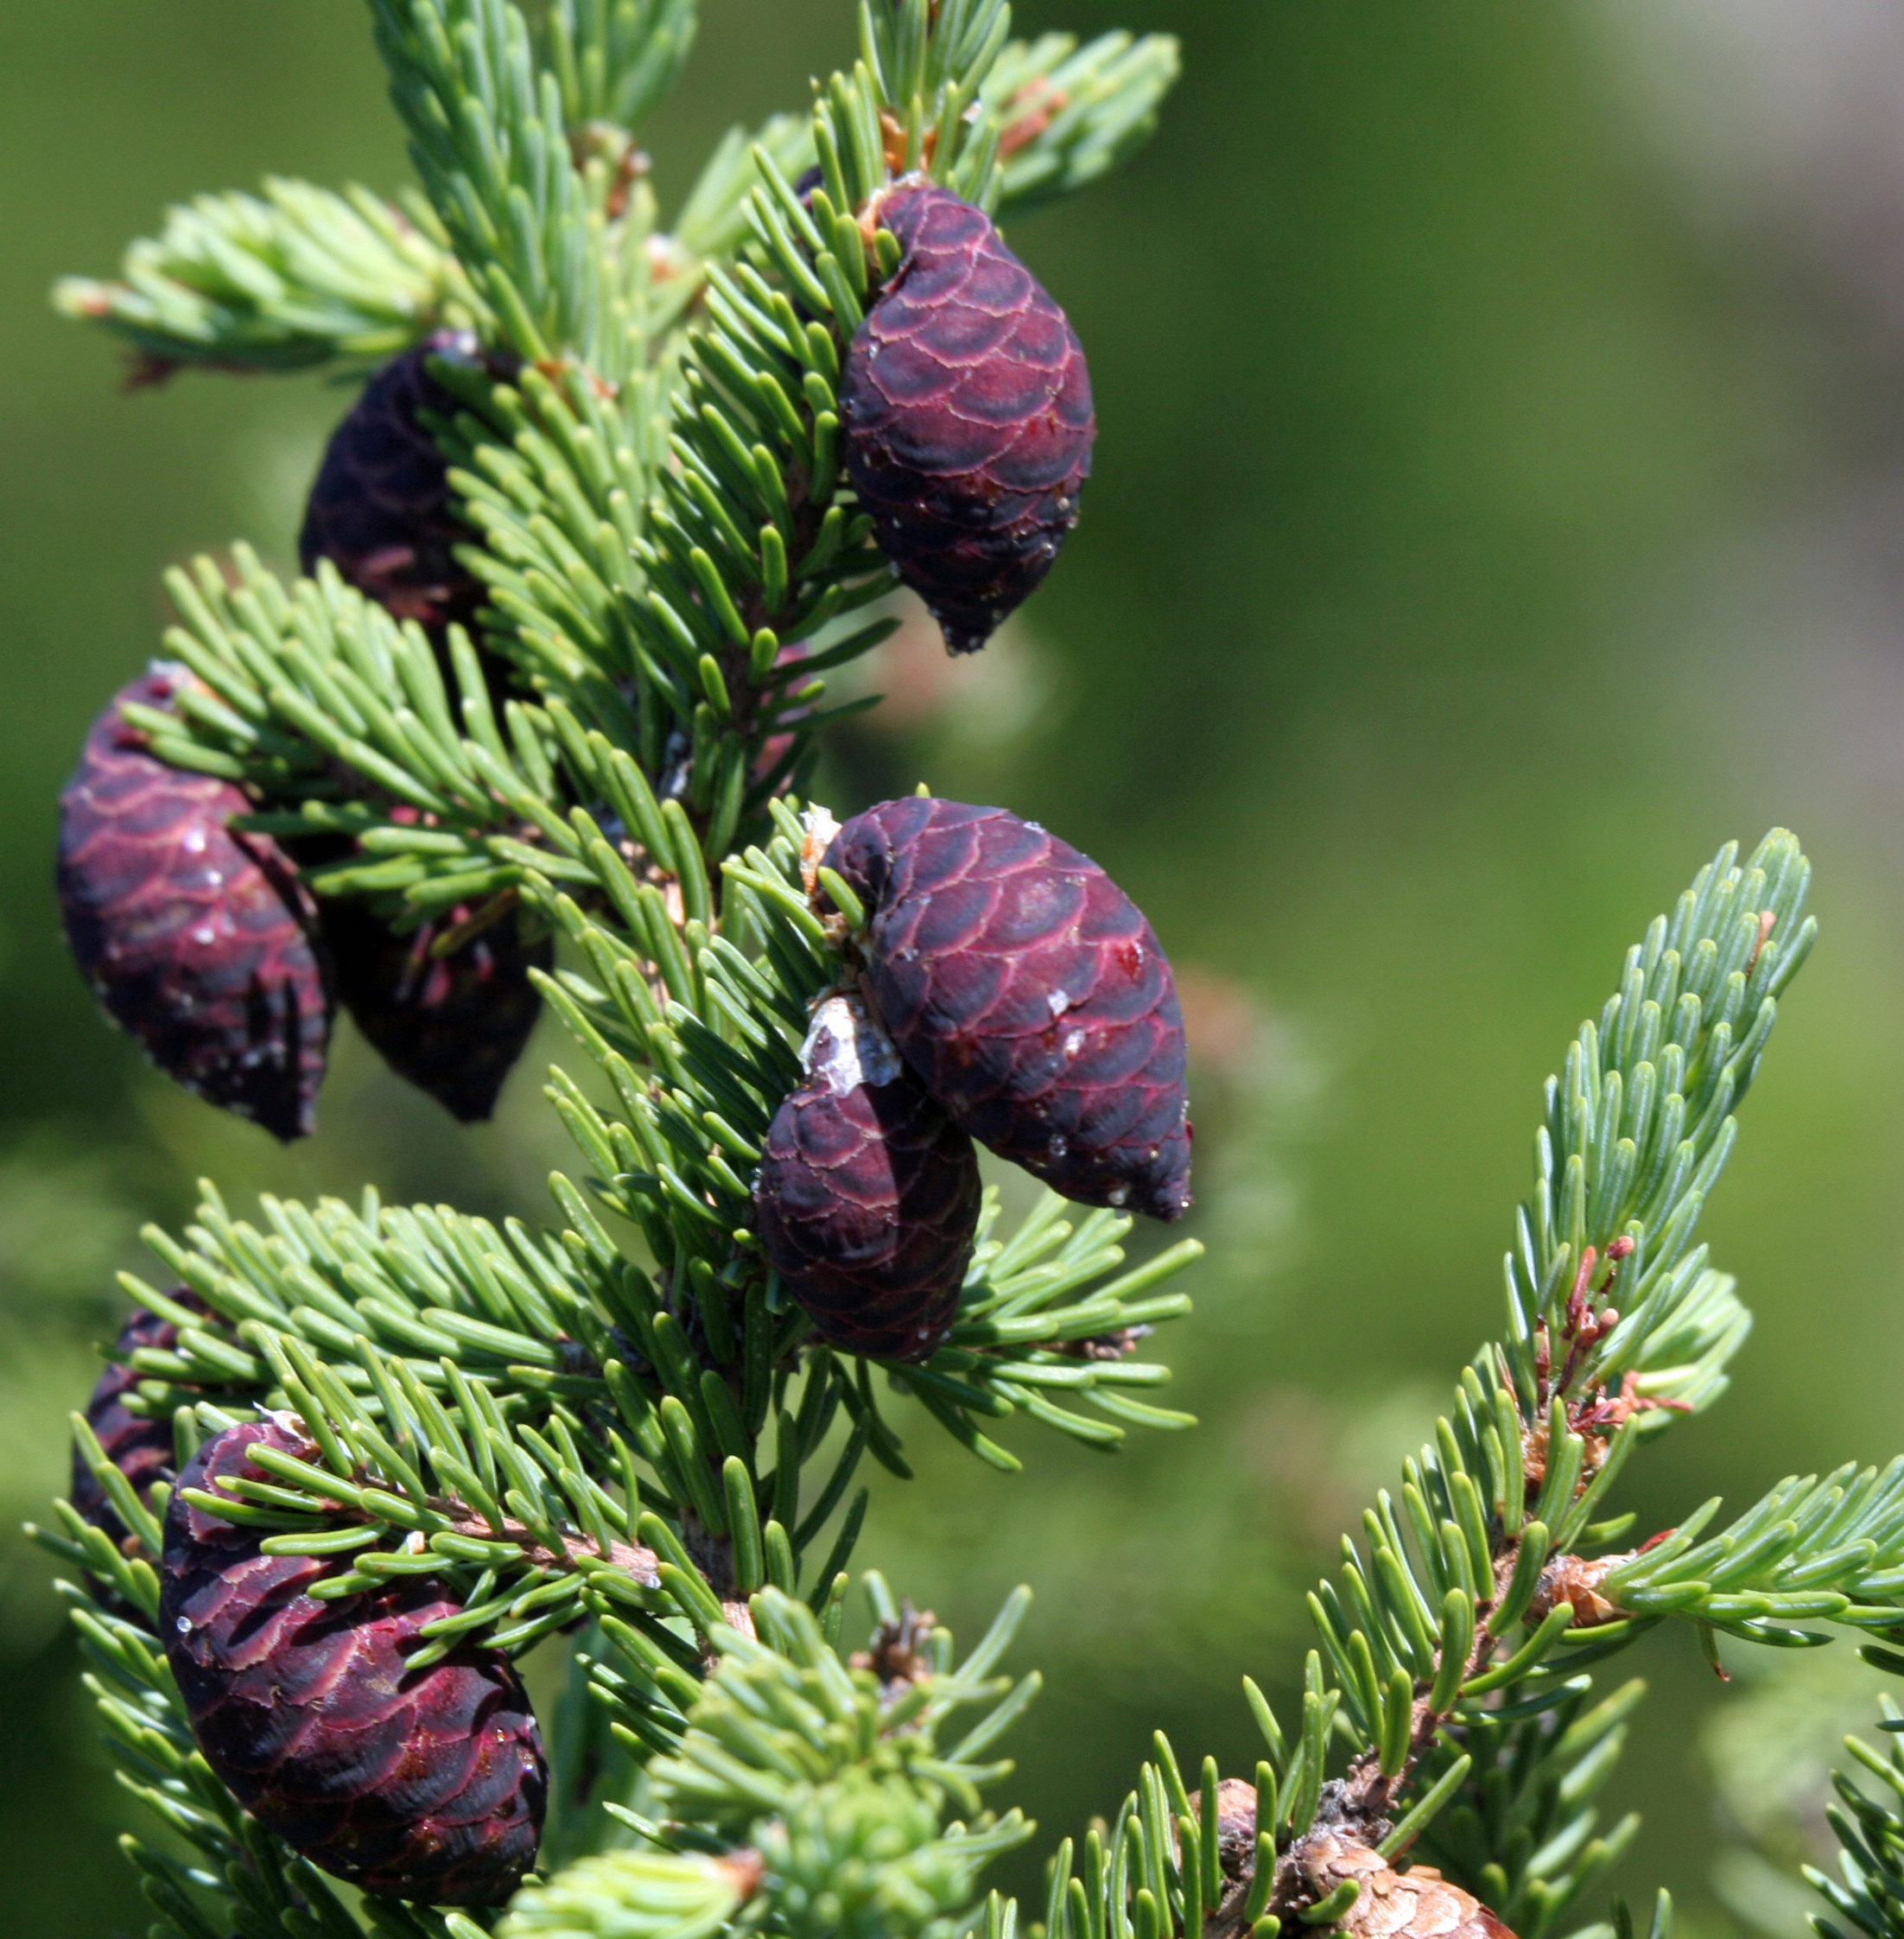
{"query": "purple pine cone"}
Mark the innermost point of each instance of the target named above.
(1029, 995)
(967, 416)
(427, 1785)
(453, 1026)
(380, 509)
(138, 1445)
(867, 1195)
(196, 940)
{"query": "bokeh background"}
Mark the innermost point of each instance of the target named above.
(1500, 503)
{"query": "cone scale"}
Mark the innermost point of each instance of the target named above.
(1028, 994)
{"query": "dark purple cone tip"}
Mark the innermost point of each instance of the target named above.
(138, 1445)
(1029, 995)
(381, 510)
(197, 941)
(453, 1026)
(427, 1784)
(967, 416)
(867, 1196)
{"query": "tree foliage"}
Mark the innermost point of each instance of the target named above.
(618, 1428)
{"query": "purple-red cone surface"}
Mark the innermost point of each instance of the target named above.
(867, 1195)
(1029, 995)
(427, 1785)
(380, 510)
(138, 1445)
(453, 1025)
(967, 417)
(196, 940)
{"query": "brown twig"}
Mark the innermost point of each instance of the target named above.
(1354, 1814)
(637, 1563)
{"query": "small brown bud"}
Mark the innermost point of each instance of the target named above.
(898, 1655)
(1104, 1346)
(1033, 109)
(1572, 1579)
(745, 1868)
(1768, 922)
(1235, 1826)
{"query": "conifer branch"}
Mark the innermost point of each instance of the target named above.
(787, 1766)
(293, 276)
(1069, 113)
(614, 60)
(544, 1434)
(1455, 1640)
(1867, 1893)
(625, 1427)
(713, 220)
(490, 145)
(1639, 1127)
(1826, 1551)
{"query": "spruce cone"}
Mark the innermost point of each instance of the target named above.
(138, 1445)
(967, 416)
(867, 1196)
(1417, 1904)
(380, 508)
(453, 1026)
(428, 1786)
(196, 940)
(1029, 995)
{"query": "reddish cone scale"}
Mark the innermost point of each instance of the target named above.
(428, 1785)
(453, 1026)
(1029, 995)
(138, 1445)
(380, 509)
(195, 939)
(867, 1195)
(967, 416)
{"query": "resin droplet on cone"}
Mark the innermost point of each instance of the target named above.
(196, 940)
(966, 414)
(867, 1195)
(380, 510)
(428, 1786)
(138, 1445)
(455, 1025)
(1029, 995)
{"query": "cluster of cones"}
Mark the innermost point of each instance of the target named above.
(1012, 994)
(969, 428)
(1009, 992)
(203, 942)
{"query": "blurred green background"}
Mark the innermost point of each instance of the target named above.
(1500, 503)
